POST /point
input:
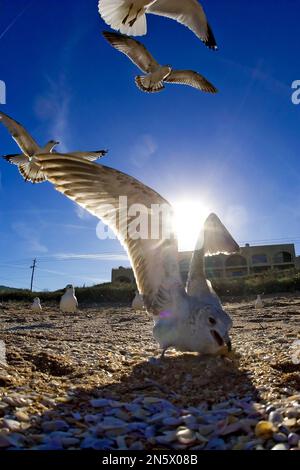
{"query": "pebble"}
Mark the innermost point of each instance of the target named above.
(280, 437)
(186, 436)
(4, 442)
(237, 423)
(171, 421)
(21, 416)
(293, 439)
(216, 444)
(264, 429)
(292, 412)
(280, 447)
(56, 425)
(11, 424)
(275, 417)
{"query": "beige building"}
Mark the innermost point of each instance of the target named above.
(250, 260)
(122, 275)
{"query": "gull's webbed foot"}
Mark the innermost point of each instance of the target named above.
(131, 23)
(127, 16)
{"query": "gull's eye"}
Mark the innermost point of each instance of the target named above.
(212, 321)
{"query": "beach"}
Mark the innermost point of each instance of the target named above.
(90, 380)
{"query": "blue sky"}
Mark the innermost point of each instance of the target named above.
(237, 153)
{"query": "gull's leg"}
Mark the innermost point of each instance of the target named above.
(127, 16)
(131, 23)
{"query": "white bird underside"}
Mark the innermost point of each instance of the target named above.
(182, 321)
(68, 303)
(25, 161)
(120, 14)
(97, 189)
(156, 74)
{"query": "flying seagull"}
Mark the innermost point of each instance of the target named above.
(157, 74)
(129, 16)
(25, 161)
(188, 319)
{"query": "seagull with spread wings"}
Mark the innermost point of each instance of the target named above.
(25, 161)
(187, 318)
(129, 16)
(157, 74)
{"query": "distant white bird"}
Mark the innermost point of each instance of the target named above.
(36, 306)
(258, 302)
(138, 303)
(129, 16)
(156, 73)
(26, 161)
(190, 319)
(68, 302)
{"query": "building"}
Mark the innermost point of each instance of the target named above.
(122, 275)
(250, 260)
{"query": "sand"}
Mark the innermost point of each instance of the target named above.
(58, 363)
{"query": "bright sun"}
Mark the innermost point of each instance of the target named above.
(189, 219)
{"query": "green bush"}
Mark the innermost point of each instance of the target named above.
(119, 293)
(268, 283)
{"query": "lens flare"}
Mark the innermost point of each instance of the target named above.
(189, 218)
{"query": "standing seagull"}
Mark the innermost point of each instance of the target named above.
(189, 319)
(258, 303)
(26, 161)
(129, 16)
(68, 302)
(36, 305)
(156, 74)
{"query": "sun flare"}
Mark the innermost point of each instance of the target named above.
(189, 217)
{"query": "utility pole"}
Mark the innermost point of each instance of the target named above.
(32, 274)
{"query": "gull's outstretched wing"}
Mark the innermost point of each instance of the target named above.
(125, 204)
(134, 50)
(187, 12)
(191, 78)
(24, 140)
(90, 156)
(214, 239)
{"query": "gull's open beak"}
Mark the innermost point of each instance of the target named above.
(222, 341)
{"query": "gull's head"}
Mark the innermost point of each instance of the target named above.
(213, 326)
(70, 288)
(36, 300)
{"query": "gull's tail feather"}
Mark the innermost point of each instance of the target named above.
(117, 13)
(31, 173)
(142, 83)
